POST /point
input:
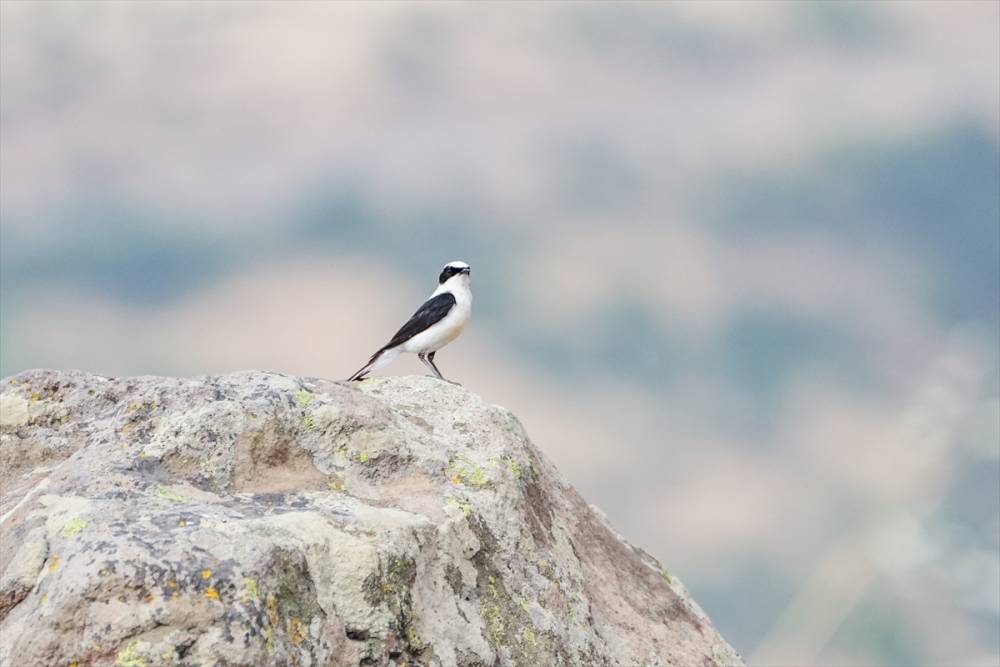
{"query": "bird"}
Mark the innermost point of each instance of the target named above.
(437, 322)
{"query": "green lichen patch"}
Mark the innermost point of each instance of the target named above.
(451, 501)
(251, 589)
(304, 397)
(130, 656)
(392, 585)
(168, 493)
(293, 590)
(72, 527)
(283, 604)
(137, 414)
(505, 616)
(463, 470)
(546, 569)
(391, 582)
(413, 640)
(492, 609)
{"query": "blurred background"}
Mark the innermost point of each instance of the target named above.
(736, 265)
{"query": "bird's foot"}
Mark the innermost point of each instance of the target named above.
(444, 379)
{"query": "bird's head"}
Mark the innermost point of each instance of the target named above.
(452, 270)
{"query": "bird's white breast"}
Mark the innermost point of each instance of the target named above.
(451, 325)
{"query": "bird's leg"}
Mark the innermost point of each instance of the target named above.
(430, 360)
(430, 364)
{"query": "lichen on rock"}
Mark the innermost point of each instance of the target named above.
(258, 518)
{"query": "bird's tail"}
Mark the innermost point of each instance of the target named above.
(379, 359)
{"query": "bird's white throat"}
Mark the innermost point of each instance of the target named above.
(458, 285)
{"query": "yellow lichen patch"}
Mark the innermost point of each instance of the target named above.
(44, 598)
(168, 493)
(304, 397)
(272, 608)
(337, 483)
(250, 586)
(490, 610)
(308, 421)
(55, 563)
(212, 593)
(182, 522)
(206, 573)
(463, 470)
(515, 468)
(413, 638)
(130, 657)
(73, 526)
(135, 406)
(296, 631)
(73, 664)
(171, 583)
(528, 636)
(457, 504)
(362, 457)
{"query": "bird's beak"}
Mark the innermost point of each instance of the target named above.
(467, 270)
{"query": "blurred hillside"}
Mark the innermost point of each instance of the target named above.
(736, 265)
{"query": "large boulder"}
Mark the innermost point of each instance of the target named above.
(263, 519)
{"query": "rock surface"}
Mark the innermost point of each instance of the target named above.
(262, 519)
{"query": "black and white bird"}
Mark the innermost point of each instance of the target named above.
(435, 324)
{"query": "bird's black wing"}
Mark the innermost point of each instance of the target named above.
(430, 313)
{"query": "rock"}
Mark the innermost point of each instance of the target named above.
(262, 519)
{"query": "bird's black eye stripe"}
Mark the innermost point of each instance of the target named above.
(448, 272)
